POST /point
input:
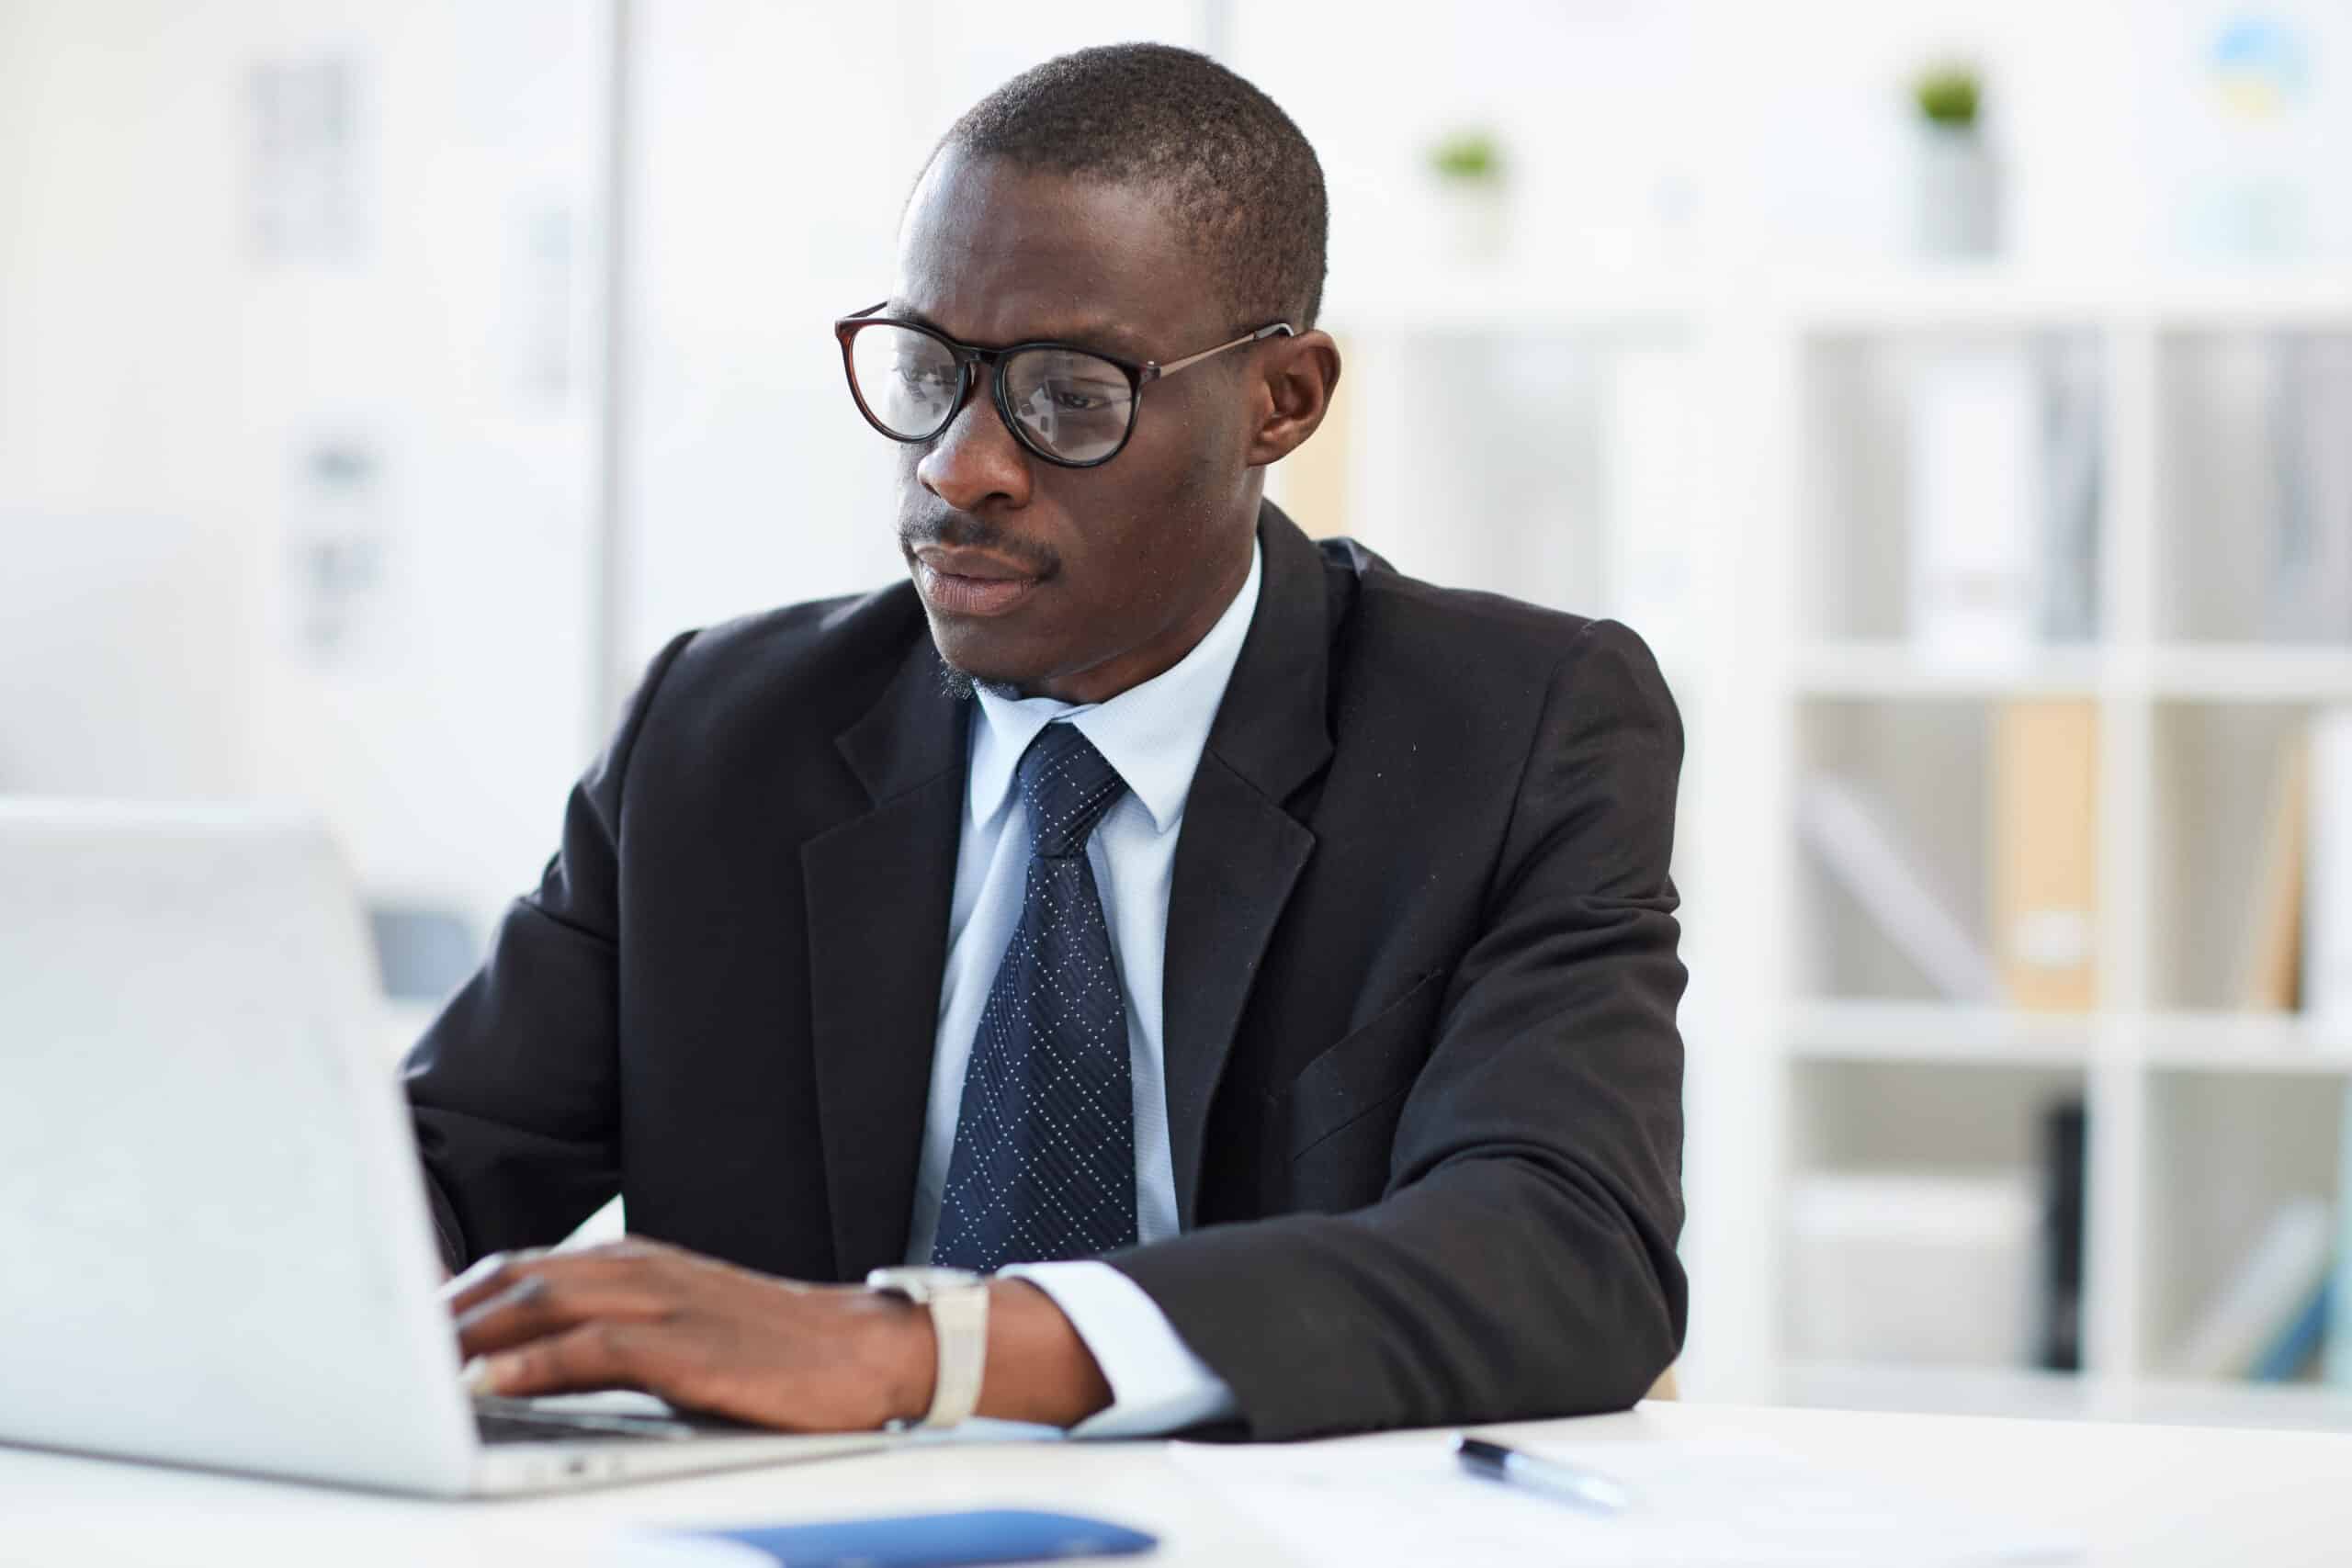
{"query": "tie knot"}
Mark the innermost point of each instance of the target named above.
(1068, 785)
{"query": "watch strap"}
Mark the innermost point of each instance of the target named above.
(958, 1304)
(959, 1321)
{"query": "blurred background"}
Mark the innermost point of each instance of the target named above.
(1959, 397)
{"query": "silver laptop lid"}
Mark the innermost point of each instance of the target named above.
(219, 1249)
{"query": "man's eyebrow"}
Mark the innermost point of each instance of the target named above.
(909, 313)
(1101, 336)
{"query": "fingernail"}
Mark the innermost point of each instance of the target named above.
(483, 1267)
(480, 1375)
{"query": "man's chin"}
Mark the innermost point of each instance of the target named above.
(961, 684)
(965, 669)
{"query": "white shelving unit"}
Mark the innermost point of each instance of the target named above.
(1770, 664)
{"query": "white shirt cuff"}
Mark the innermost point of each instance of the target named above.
(1157, 1385)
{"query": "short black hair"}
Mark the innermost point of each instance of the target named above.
(1236, 167)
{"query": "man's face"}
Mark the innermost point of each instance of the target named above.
(1073, 582)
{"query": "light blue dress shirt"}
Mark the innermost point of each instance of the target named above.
(1153, 734)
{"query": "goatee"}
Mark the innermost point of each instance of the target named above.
(959, 684)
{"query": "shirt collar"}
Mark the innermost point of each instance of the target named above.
(1152, 733)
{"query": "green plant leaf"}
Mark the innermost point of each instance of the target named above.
(1467, 155)
(1948, 94)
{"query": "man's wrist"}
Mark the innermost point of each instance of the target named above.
(907, 1359)
(1039, 1369)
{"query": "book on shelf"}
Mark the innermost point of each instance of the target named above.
(2044, 867)
(1851, 834)
(2073, 452)
(2006, 452)
(2307, 587)
(1976, 495)
(2269, 971)
(2296, 1345)
(2336, 1354)
(1912, 1266)
(2063, 1129)
(2327, 889)
(2262, 1298)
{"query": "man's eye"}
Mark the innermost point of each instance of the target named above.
(1073, 399)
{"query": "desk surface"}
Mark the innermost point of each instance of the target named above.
(2142, 1496)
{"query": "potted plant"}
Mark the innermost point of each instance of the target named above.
(1468, 167)
(1958, 190)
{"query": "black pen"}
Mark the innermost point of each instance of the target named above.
(1568, 1482)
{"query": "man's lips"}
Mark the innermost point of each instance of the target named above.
(970, 582)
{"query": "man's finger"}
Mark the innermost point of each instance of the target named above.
(501, 1272)
(489, 1275)
(591, 1357)
(539, 1304)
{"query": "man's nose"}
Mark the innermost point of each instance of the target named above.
(976, 461)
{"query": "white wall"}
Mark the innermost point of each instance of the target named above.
(161, 383)
(123, 588)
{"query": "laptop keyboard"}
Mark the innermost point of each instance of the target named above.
(516, 1421)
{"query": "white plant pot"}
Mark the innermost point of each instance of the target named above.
(1473, 221)
(1957, 191)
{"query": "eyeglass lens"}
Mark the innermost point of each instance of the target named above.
(1067, 404)
(1072, 405)
(909, 379)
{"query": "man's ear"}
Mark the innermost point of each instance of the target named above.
(1299, 375)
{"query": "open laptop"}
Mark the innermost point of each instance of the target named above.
(218, 1250)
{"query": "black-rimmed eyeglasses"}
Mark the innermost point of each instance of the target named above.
(1072, 406)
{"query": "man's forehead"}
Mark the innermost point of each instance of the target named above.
(991, 253)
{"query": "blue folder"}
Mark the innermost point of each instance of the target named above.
(941, 1541)
(2297, 1344)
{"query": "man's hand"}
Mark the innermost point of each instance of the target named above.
(707, 1335)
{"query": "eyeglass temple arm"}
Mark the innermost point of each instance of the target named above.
(1276, 329)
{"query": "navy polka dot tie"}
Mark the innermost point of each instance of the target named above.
(1045, 1160)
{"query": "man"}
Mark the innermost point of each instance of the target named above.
(1253, 968)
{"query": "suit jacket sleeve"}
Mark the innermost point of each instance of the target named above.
(1520, 1262)
(513, 1089)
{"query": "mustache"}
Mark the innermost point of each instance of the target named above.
(961, 530)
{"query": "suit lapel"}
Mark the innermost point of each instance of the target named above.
(879, 889)
(1241, 853)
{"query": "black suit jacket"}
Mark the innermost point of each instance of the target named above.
(1424, 1084)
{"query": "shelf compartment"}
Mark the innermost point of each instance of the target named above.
(2227, 1156)
(2253, 489)
(1916, 880)
(1950, 493)
(1917, 1211)
(2223, 870)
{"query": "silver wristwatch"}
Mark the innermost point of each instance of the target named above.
(957, 1301)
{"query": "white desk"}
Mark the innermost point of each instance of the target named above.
(2148, 1497)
